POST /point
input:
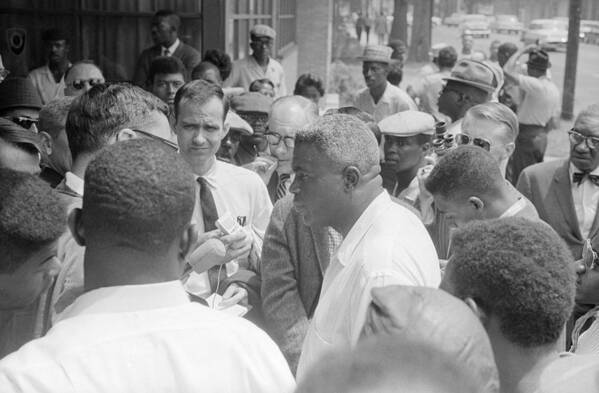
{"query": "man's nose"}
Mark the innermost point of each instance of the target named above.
(293, 187)
(581, 268)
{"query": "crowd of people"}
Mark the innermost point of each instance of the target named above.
(200, 229)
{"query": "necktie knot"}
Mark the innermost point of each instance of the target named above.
(165, 52)
(578, 178)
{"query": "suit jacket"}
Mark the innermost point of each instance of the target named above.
(294, 257)
(189, 56)
(548, 186)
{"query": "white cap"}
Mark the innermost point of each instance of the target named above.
(408, 123)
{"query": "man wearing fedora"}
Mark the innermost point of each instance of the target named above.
(380, 98)
(260, 64)
(539, 109)
(470, 83)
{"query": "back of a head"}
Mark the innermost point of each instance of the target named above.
(202, 67)
(295, 104)
(344, 140)
(105, 109)
(138, 195)
(166, 65)
(221, 60)
(199, 92)
(497, 113)
(82, 64)
(447, 57)
(518, 271)
(465, 171)
(306, 80)
(386, 364)
(31, 217)
(53, 116)
(361, 115)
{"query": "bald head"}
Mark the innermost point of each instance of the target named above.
(81, 77)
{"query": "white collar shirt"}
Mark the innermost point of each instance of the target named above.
(247, 70)
(45, 84)
(243, 194)
(392, 101)
(74, 182)
(387, 245)
(585, 197)
(171, 49)
(146, 338)
(540, 100)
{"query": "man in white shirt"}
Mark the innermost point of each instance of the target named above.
(200, 110)
(380, 98)
(260, 64)
(135, 329)
(539, 108)
(337, 184)
(49, 79)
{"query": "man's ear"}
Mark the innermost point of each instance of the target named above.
(189, 239)
(351, 177)
(125, 134)
(477, 310)
(509, 148)
(476, 202)
(46, 142)
(76, 227)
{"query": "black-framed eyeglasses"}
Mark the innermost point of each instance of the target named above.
(465, 139)
(24, 121)
(274, 138)
(79, 84)
(168, 143)
(577, 138)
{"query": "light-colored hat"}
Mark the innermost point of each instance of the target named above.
(235, 122)
(251, 102)
(408, 123)
(474, 73)
(263, 31)
(378, 53)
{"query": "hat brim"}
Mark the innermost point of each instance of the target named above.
(482, 86)
(375, 60)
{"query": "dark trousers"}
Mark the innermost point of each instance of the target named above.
(359, 32)
(530, 148)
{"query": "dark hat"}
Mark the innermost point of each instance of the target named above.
(251, 102)
(538, 59)
(18, 92)
(54, 34)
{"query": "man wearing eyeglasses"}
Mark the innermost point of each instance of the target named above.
(81, 77)
(566, 192)
(20, 102)
(260, 64)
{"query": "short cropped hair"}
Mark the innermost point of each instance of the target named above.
(519, 271)
(105, 109)
(507, 48)
(200, 91)
(221, 60)
(53, 116)
(465, 171)
(31, 217)
(202, 67)
(138, 193)
(361, 115)
(307, 80)
(258, 83)
(588, 118)
(79, 63)
(173, 18)
(497, 113)
(447, 57)
(165, 65)
(344, 140)
(18, 136)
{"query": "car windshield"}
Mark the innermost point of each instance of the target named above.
(549, 25)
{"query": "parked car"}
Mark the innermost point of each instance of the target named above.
(507, 24)
(476, 25)
(589, 31)
(436, 21)
(549, 34)
(453, 20)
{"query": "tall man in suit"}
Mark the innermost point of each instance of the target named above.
(165, 30)
(566, 192)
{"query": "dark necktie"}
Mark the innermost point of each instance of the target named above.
(282, 186)
(579, 177)
(216, 274)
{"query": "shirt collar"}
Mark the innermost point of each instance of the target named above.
(211, 175)
(573, 169)
(361, 226)
(411, 192)
(74, 182)
(171, 49)
(128, 298)
(516, 207)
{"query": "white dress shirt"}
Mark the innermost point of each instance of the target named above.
(45, 84)
(540, 100)
(247, 70)
(74, 182)
(243, 194)
(171, 49)
(146, 338)
(393, 100)
(387, 245)
(585, 197)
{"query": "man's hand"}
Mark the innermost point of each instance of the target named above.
(426, 198)
(529, 48)
(238, 244)
(234, 295)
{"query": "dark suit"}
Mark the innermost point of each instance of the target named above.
(548, 186)
(294, 258)
(187, 54)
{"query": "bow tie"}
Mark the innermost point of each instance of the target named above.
(579, 177)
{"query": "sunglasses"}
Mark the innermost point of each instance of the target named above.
(465, 139)
(577, 138)
(80, 83)
(24, 121)
(171, 145)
